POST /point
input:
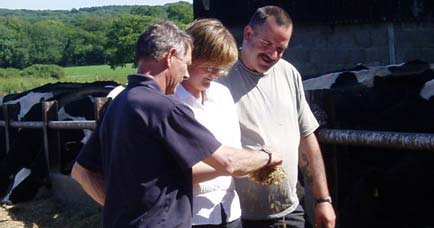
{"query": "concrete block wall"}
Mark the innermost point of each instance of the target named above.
(317, 49)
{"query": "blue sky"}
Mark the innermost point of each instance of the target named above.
(69, 4)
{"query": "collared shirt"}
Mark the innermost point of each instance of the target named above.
(217, 113)
(273, 111)
(145, 146)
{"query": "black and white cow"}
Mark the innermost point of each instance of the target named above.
(380, 187)
(23, 168)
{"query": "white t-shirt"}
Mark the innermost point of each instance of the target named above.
(272, 111)
(218, 115)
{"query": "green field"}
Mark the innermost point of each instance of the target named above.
(73, 74)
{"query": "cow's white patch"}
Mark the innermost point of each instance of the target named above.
(365, 77)
(26, 102)
(116, 91)
(20, 177)
(428, 90)
(322, 82)
(87, 133)
(62, 115)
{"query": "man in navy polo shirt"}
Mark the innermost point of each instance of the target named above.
(138, 161)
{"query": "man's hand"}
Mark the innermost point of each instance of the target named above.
(324, 216)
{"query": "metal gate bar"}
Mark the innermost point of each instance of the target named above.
(394, 140)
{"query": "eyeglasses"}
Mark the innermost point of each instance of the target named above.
(217, 70)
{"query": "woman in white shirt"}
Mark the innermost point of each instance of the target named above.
(215, 201)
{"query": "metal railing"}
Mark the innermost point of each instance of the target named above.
(384, 139)
(50, 126)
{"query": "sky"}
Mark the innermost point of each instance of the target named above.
(70, 4)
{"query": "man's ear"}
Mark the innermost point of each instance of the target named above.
(248, 32)
(169, 55)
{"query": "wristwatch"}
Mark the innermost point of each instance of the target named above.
(323, 200)
(268, 152)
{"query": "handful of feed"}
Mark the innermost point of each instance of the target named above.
(269, 175)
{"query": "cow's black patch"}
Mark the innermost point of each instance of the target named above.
(27, 144)
(382, 187)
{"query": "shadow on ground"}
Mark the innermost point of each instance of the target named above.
(47, 212)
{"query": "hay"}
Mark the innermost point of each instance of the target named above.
(48, 213)
(269, 175)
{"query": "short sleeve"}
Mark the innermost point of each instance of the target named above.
(306, 120)
(187, 140)
(90, 155)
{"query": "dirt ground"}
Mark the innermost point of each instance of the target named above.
(47, 212)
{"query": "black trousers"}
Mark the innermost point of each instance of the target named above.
(293, 220)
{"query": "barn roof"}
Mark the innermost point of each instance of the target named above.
(238, 12)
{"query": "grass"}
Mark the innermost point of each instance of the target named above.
(73, 74)
(99, 72)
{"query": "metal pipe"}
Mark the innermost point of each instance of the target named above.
(67, 124)
(76, 124)
(395, 140)
(27, 124)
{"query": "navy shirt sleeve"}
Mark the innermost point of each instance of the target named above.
(187, 140)
(90, 155)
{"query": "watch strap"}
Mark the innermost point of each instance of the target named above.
(268, 152)
(323, 200)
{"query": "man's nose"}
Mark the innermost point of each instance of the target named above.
(273, 54)
(186, 75)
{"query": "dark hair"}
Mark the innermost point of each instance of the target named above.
(260, 16)
(160, 38)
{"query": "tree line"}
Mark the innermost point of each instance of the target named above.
(85, 36)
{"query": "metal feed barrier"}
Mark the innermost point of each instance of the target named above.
(50, 126)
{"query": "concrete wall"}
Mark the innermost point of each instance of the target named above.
(317, 49)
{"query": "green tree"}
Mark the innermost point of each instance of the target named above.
(14, 43)
(151, 11)
(80, 36)
(122, 38)
(181, 12)
(48, 42)
(86, 41)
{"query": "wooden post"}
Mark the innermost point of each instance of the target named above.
(7, 126)
(8, 111)
(100, 105)
(51, 137)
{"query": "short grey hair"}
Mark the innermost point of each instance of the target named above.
(261, 15)
(159, 38)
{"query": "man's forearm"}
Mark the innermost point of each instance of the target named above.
(91, 182)
(248, 161)
(312, 165)
(237, 162)
(203, 172)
